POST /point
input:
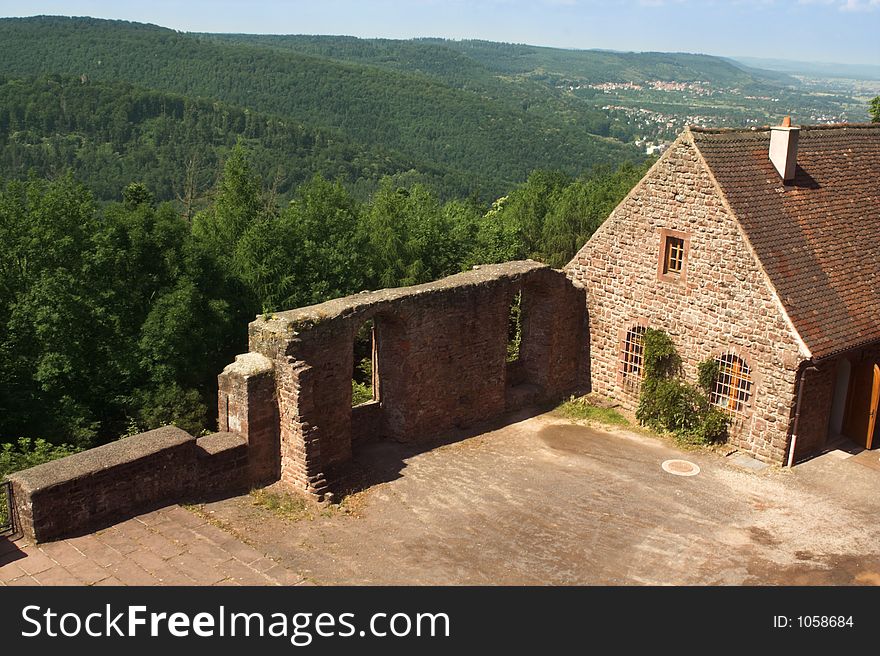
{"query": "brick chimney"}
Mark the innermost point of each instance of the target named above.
(783, 148)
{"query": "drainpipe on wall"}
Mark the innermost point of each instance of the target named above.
(802, 376)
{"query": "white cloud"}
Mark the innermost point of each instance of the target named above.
(860, 5)
(846, 5)
(659, 3)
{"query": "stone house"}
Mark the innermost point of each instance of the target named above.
(761, 249)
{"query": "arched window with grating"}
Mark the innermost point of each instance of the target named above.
(631, 358)
(733, 386)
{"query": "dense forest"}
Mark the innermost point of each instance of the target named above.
(109, 133)
(467, 59)
(117, 317)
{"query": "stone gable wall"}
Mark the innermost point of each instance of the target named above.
(722, 303)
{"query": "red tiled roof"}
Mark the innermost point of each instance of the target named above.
(818, 237)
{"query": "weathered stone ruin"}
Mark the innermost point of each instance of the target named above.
(441, 363)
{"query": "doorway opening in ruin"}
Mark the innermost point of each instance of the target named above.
(838, 403)
(379, 379)
(518, 392)
(364, 375)
(514, 329)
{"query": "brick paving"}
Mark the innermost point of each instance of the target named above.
(170, 546)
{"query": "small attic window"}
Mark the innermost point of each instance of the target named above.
(672, 258)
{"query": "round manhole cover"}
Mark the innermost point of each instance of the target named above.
(680, 468)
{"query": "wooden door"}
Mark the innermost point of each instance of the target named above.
(862, 402)
(875, 397)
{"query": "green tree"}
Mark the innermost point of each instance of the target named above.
(407, 236)
(108, 317)
(580, 208)
(874, 110)
(498, 237)
(237, 204)
(528, 205)
(135, 195)
(324, 220)
(183, 343)
(49, 312)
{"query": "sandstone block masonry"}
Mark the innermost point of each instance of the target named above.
(98, 487)
(721, 303)
(441, 361)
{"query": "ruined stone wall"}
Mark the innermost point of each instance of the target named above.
(441, 359)
(247, 407)
(555, 343)
(222, 466)
(95, 488)
(722, 302)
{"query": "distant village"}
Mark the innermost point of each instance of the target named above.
(697, 88)
(654, 130)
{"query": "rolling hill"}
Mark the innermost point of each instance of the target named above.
(487, 140)
(110, 133)
(468, 118)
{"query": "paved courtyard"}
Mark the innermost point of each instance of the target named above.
(540, 501)
(172, 546)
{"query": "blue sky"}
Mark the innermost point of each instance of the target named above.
(846, 31)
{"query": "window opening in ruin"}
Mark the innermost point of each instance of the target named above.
(514, 328)
(364, 379)
(733, 386)
(631, 358)
(673, 261)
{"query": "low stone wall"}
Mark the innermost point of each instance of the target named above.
(366, 421)
(98, 487)
(222, 465)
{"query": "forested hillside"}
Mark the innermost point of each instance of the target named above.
(440, 62)
(111, 133)
(488, 142)
(158, 190)
(466, 60)
(608, 66)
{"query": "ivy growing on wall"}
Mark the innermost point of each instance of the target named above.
(707, 374)
(669, 403)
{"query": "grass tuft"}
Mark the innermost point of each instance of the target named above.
(581, 409)
(290, 507)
